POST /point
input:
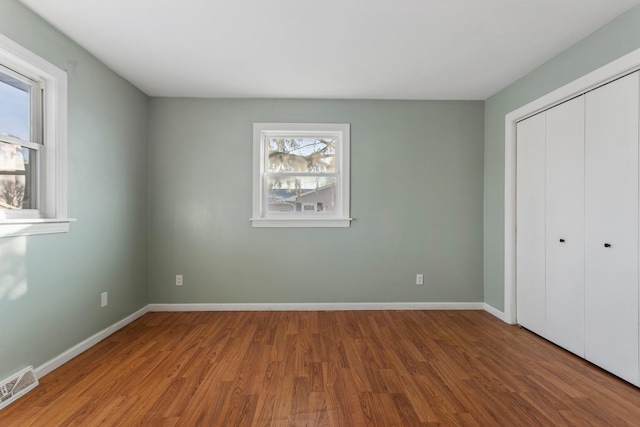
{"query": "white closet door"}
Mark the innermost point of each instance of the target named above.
(611, 218)
(565, 225)
(530, 200)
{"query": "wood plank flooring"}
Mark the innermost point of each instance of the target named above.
(340, 368)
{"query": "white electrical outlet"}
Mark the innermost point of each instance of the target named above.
(104, 299)
(179, 280)
(419, 279)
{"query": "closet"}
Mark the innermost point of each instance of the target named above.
(577, 221)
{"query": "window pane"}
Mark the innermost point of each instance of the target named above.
(17, 177)
(291, 155)
(14, 107)
(301, 194)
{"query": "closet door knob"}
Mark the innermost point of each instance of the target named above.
(607, 245)
(561, 240)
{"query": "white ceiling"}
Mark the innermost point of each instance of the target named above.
(358, 49)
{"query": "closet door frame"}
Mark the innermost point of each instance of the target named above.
(612, 71)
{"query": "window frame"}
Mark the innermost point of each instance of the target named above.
(340, 216)
(51, 213)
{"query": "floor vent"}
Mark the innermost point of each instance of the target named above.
(17, 385)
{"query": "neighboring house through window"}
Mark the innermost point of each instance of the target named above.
(33, 100)
(301, 175)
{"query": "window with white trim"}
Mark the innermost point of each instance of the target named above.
(300, 175)
(33, 99)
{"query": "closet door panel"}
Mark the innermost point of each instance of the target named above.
(565, 225)
(530, 200)
(611, 218)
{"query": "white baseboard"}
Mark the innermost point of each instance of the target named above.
(494, 311)
(321, 306)
(77, 349)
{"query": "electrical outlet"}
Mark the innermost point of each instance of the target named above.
(179, 280)
(419, 279)
(104, 299)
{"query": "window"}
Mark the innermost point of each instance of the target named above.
(33, 103)
(300, 175)
(20, 141)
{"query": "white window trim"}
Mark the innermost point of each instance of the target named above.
(340, 218)
(53, 180)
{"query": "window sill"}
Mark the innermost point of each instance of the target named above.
(301, 222)
(28, 227)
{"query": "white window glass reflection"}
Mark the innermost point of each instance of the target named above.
(14, 106)
(301, 194)
(17, 180)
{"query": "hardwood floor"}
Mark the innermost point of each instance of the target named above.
(340, 368)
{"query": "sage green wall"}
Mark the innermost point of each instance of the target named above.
(50, 285)
(416, 194)
(612, 41)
